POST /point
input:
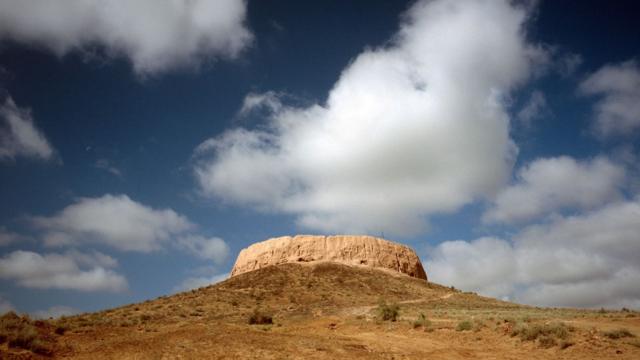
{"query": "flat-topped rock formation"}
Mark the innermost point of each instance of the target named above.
(346, 249)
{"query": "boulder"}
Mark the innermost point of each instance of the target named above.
(346, 249)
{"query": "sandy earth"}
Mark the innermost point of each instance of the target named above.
(328, 312)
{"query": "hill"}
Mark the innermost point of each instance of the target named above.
(327, 310)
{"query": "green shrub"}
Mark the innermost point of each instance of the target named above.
(464, 325)
(388, 312)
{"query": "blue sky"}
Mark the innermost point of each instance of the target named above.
(143, 146)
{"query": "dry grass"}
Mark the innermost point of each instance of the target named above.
(618, 334)
(333, 311)
(547, 335)
(422, 322)
(22, 333)
(464, 325)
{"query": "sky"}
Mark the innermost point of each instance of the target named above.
(144, 144)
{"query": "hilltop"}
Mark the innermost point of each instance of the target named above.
(329, 310)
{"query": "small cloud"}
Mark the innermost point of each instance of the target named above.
(206, 248)
(568, 64)
(72, 271)
(269, 101)
(113, 220)
(19, 135)
(106, 165)
(535, 108)
(617, 112)
(9, 237)
(127, 225)
(549, 184)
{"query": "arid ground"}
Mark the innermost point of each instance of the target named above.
(326, 311)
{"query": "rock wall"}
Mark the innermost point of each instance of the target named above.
(347, 249)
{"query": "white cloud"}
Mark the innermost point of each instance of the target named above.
(618, 111)
(198, 282)
(568, 63)
(5, 306)
(474, 265)
(8, 237)
(552, 184)
(155, 35)
(269, 100)
(55, 312)
(127, 225)
(114, 220)
(74, 271)
(206, 248)
(588, 260)
(19, 135)
(410, 129)
(535, 108)
(106, 165)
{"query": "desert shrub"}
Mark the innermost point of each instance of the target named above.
(618, 334)
(19, 332)
(60, 329)
(259, 317)
(388, 312)
(464, 325)
(547, 341)
(23, 337)
(422, 321)
(10, 323)
(546, 334)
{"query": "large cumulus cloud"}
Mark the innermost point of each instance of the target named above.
(410, 129)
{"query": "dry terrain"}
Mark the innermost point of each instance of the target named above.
(326, 311)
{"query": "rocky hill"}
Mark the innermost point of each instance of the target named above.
(328, 310)
(345, 249)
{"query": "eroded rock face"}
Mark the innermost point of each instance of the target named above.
(347, 249)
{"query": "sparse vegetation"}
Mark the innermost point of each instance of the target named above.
(547, 341)
(423, 322)
(618, 334)
(20, 332)
(464, 325)
(259, 317)
(388, 312)
(547, 335)
(332, 322)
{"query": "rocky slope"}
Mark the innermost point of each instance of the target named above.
(345, 249)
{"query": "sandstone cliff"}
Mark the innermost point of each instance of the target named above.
(347, 249)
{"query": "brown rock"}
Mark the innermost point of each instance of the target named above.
(347, 249)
